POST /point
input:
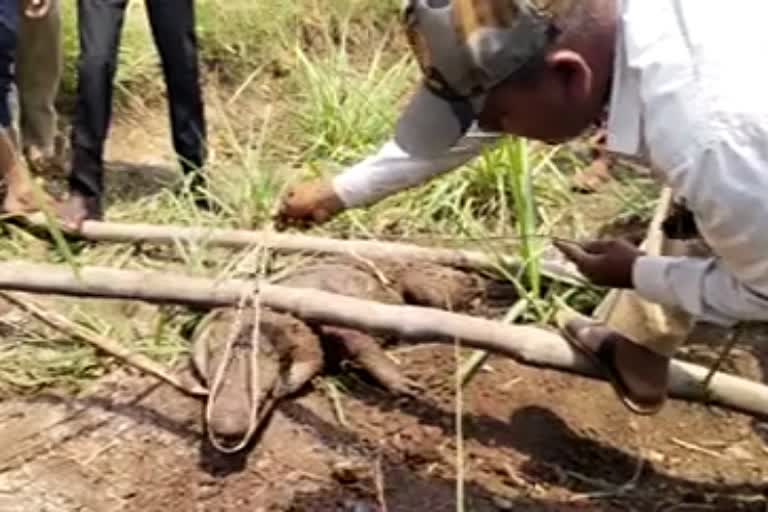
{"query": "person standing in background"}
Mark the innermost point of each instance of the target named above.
(100, 26)
(38, 75)
(19, 197)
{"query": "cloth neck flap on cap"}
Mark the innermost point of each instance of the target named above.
(500, 36)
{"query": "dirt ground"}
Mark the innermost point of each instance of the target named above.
(534, 440)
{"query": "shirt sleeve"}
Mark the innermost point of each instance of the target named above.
(724, 185)
(700, 286)
(392, 170)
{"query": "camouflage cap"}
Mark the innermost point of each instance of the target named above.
(464, 49)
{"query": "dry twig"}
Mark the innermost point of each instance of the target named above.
(103, 343)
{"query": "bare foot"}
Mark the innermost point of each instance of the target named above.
(592, 178)
(78, 208)
(21, 200)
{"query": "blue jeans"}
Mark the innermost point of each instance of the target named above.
(9, 26)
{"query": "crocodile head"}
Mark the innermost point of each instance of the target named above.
(243, 372)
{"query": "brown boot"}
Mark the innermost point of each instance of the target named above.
(639, 376)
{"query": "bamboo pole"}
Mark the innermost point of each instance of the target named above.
(96, 231)
(528, 345)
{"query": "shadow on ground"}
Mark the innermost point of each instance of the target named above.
(555, 456)
(128, 182)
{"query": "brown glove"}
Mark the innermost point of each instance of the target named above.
(308, 203)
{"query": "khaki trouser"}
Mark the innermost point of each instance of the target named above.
(38, 74)
(656, 327)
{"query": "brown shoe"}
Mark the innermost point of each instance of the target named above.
(638, 375)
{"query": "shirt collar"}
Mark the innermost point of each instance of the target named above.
(624, 114)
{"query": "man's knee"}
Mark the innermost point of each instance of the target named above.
(95, 64)
(8, 36)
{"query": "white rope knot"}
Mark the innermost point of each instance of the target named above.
(249, 305)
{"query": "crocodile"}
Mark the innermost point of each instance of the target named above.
(286, 352)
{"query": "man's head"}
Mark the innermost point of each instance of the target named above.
(535, 68)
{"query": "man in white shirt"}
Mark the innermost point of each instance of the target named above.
(684, 91)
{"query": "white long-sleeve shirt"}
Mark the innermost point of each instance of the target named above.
(690, 97)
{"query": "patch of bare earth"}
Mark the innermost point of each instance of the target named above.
(535, 440)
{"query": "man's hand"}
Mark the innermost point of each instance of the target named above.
(606, 263)
(312, 202)
(36, 8)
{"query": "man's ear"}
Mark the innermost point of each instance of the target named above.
(572, 72)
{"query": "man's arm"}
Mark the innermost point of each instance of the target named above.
(699, 286)
(724, 186)
(389, 171)
(392, 170)
(702, 287)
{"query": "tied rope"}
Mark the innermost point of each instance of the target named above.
(249, 305)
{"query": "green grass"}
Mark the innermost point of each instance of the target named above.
(237, 38)
(345, 110)
(300, 89)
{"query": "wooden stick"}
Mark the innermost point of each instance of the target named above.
(106, 345)
(528, 345)
(240, 239)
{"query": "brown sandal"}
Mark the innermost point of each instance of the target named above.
(603, 358)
